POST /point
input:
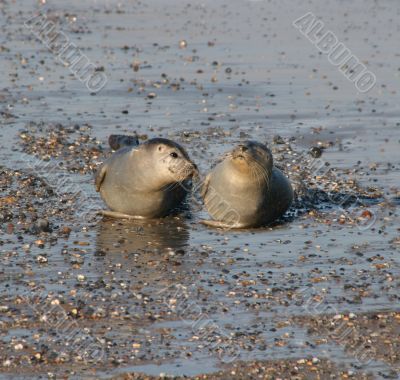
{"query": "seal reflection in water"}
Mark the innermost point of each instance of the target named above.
(245, 189)
(133, 244)
(147, 181)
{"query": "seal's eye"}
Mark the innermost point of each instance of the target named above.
(174, 155)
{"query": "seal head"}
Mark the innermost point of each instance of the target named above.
(253, 157)
(170, 160)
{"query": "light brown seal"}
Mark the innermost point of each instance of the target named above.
(150, 180)
(245, 189)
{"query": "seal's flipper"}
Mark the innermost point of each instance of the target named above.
(100, 175)
(218, 224)
(119, 215)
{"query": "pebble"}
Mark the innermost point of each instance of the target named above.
(278, 139)
(41, 259)
(40, 225)
(18, 347)
(66, 230)
(316, 152)
(182, 44)
(80, 277)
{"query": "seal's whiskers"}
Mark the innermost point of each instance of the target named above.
(261, 171)
(255, 172)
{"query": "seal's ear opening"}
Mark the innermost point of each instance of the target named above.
(160, 148)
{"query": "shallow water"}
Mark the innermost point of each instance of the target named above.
(278, 84)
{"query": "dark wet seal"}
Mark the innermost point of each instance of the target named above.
(118, 141)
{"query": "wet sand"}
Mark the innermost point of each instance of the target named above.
(313, 296)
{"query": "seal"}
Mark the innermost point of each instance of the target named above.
(147, 181)
(245, 189)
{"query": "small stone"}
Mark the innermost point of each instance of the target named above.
(66, 230)
(316, 152)
(182, 44)
(278, 139)
(366, 214)
(136, 66)
(40, 225)
(41, 259)
(39, 243)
